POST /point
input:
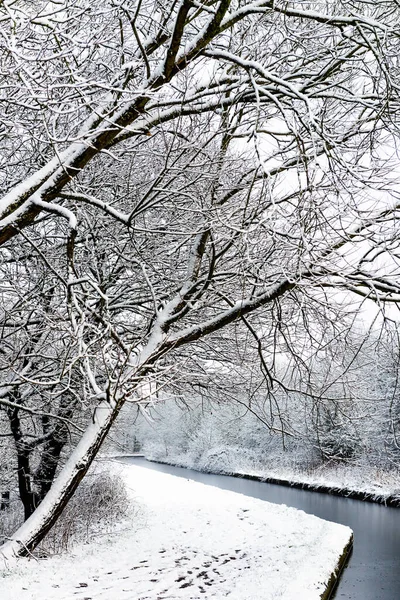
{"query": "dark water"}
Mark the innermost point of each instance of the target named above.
(373, 572)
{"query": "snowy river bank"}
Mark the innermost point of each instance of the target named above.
(189, 540)
(373, 571)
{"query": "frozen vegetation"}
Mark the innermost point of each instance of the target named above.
(225, 438)
(183, 539)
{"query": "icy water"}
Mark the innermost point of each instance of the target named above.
(373, 572)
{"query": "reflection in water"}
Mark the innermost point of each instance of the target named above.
(373, 572)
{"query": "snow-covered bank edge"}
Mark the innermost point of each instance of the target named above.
(392, 500)
(193, 539)
(336, 574)
(330, 583)
(343, 559)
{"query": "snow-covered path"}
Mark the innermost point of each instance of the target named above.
(191, 541)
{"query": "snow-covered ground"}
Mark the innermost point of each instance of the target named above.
(188, 540)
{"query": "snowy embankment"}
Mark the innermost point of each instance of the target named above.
(349, 481)
(188, 540)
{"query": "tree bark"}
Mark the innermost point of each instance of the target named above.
(26, 492)
(31, 533)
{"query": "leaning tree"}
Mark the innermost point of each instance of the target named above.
(174, 173)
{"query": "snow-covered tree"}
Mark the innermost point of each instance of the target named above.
(183, 171)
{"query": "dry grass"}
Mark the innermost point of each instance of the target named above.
(100, 502)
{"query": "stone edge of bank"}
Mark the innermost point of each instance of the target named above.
(336, 574)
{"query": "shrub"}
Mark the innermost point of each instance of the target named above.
(99, 503)
(10, 519)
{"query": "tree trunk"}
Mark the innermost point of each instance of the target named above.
(31, 533)
(26, 492)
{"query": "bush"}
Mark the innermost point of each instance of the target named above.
(98, 504)
(10, 519)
